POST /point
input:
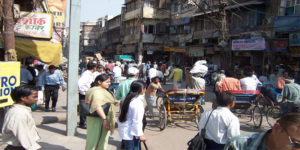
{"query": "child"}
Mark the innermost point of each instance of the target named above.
(19, 130)
(151, 93)
(131, 117)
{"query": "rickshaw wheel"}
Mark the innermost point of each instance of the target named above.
(273, 114)
(257, 117)
(162, 117)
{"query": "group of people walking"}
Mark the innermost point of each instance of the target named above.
(98, 113)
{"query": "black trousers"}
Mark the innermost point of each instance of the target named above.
(82, 118)
(212, 145)
(10, 147)
(51, 91)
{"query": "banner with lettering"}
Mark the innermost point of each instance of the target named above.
(249, 44)
(34, 24)
(9, 79)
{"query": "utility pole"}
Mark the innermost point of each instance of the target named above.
(140, 43)
(9, 36)
(73, 66)
(223, 28)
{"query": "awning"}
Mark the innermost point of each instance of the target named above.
(44, 51)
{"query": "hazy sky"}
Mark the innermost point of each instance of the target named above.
(93, 9)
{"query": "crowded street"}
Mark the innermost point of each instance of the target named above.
(150, 75)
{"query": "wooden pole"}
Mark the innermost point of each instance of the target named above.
(9, 36)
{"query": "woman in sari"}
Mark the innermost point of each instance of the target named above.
(99, 127)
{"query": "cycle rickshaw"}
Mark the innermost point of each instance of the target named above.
(247, 102)
(180, 106)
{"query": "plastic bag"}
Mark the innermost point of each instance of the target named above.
(40, 100)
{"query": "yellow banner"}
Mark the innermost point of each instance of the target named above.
(9, 78)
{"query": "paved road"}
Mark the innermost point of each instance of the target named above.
(174, 137)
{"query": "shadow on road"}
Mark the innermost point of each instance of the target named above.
(47, 146)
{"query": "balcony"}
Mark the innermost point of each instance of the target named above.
(148, 12)
(132, 14)
(150, 38)
(153, 13)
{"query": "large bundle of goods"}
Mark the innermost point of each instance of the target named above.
(199, 68)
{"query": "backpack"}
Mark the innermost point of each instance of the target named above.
(197, 142)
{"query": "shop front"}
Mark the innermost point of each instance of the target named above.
(249, 52)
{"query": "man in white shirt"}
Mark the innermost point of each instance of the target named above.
(222, 125)
(99, 71)
(84, 83)
(19, 130)
(249, 83)
(117, 70)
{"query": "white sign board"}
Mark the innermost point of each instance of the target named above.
(249, 44)
(34, 24)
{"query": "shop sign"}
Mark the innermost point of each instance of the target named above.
(249, 44)
(290, 23)
(295, 39)
(280, 45)
(57, 8)
(180, 50)
(10, 78)
(169, 49)
(34, 24)
(195, 52)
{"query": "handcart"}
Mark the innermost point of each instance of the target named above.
(180, 106)
(247, 103)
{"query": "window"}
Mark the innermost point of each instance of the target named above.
(149, 29)
(289, 8)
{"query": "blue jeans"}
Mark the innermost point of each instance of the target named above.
(132, 144)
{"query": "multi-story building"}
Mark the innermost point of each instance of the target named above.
(114, 38)
(146, 28)
(88, 38)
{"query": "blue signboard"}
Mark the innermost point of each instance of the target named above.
(284, 23)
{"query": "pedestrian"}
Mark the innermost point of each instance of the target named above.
(228, 83)
(42, 72)
(188, 76)
(19, 130)
(249, 82)
(84, 83)
(52, 80)
(222, 124)
(280, 81)
(99, 128)
(155, 66)
(130, 122)
(151, 93)
(124, 86)
(197, 81)
(291, 96)
(285, 135)
(99, 71)
(177, 77)
(273, 76)
(110, 65)
(26, 76)
(152, 72)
